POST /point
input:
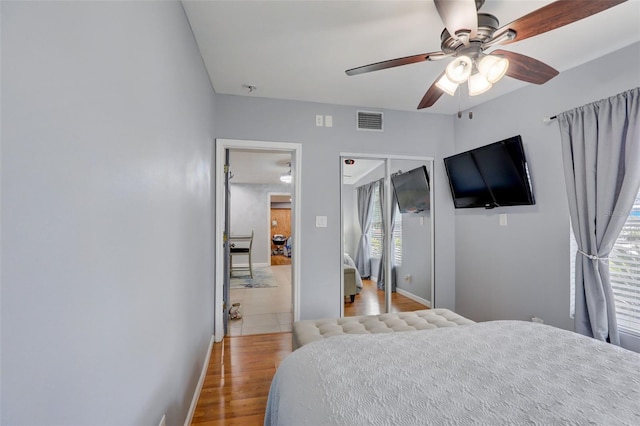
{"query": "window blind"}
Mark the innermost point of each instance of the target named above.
(376, 233)
(624, 271)
(397, 237)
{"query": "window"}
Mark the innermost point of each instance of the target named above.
(624, 272)
(397, 237)
(376, 231)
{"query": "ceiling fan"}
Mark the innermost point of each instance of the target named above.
(468, 34)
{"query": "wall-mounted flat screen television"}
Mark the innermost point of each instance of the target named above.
(491, 176)
(412, 190)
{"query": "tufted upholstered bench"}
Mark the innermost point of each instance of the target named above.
(311, 330)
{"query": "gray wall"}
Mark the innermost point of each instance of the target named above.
(249, 205)
(522, 270)
(406, 133)
(416, 252)
(107, 302)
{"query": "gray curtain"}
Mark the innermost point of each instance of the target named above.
(365, 214)
(382, 268)
(601, 154)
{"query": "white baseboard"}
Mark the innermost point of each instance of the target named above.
(412, 296)
(196, 395)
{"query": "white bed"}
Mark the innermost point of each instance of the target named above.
(348, 261)
(492, 373)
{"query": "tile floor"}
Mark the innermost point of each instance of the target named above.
(264, 310)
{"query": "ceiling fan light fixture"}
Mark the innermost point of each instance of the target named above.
(493, 67)
(459, 70)
(286, 178)
(447, 85)
(478, 84)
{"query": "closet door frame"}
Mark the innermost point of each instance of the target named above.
(387, 219)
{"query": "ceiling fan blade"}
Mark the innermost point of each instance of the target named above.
(527, 69)
(554, 15)
(395, 63)
(458, 15)
(432, 95)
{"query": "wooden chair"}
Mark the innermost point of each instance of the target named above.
(243, 250)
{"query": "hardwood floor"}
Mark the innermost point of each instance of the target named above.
(279, 259)
(237, 384)
(370, 301)
(240, 370)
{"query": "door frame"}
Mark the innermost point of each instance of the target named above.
(387, 222)
(296, 160)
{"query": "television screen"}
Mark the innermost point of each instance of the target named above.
(412, 190)
(490, 176)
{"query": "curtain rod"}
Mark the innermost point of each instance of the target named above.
(548, 120)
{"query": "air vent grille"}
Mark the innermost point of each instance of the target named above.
(368, 120)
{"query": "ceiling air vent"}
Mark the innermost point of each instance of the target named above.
(368, 120)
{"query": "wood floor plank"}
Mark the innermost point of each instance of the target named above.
(370, 301)
(237, 383)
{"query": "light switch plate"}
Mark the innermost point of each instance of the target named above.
(328, 120)
(319, 120)
(321, 221)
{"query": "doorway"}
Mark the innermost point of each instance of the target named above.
(228, 227)
(280, 228)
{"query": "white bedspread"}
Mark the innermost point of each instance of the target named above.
(492, 373)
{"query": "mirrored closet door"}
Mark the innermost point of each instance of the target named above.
(387, 234)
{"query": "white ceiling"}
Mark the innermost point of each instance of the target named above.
(299, 50)
(266, 167)
(253, 166)
(351, 173)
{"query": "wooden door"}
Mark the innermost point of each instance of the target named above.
(280, 225)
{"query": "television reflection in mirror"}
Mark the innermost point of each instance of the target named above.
(490, 176)
(412, 190)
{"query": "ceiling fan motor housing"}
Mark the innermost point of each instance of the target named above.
(487, 25)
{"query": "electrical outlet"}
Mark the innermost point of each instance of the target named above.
(407, 278)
